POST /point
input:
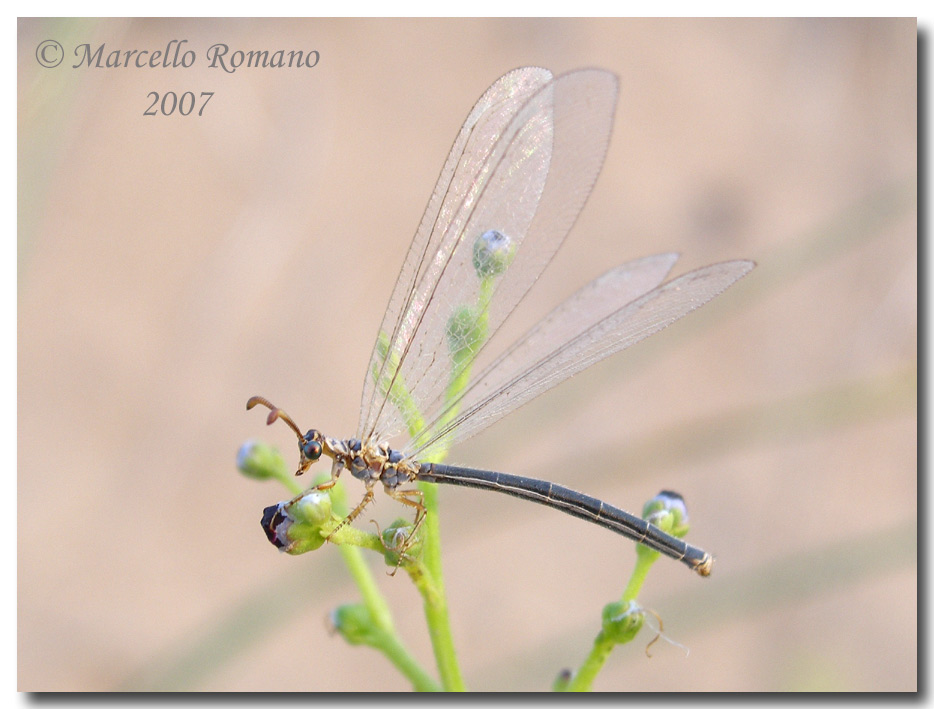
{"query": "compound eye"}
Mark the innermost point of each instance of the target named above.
(311, 450)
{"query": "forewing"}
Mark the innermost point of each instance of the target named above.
(530, 182)
(461, 173)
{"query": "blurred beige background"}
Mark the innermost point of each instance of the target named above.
(169, 268)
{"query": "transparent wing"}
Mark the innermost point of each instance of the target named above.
(596, 322)
(523, 165)
(578, 313)
(462, 170)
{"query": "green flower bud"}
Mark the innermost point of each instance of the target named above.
(668, 512)
(355, 624)
(296, 527)
(622, 620)
(492, 253)
(260, 461)
(396, 541)
(312, 508)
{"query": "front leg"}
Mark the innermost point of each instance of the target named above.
(326, 485)
(367, 499)
(336, 468)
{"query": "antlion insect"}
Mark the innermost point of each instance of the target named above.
(514, 183)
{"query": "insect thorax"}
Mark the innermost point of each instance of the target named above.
(370, 463)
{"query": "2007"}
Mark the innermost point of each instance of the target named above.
(170, 102)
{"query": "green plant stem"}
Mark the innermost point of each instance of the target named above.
(644, 562)
(369, 591)
(360, 570)
(389, 644)
(582, 680)
(435, 601)
(592, 664)
(427, 574)
(393, 649)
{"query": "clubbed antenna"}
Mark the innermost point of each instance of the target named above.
(275, 413)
